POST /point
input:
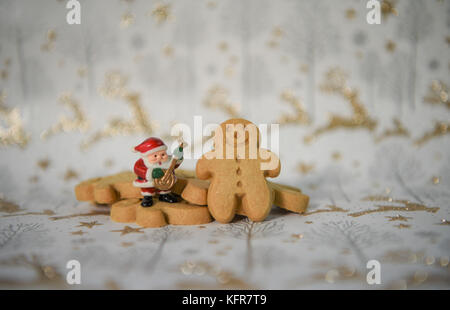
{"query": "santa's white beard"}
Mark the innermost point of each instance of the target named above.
(164, 165)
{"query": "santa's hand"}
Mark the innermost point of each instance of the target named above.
(178, 153)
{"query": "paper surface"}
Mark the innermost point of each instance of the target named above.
(132, 72)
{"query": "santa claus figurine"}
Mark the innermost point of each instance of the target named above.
(150, 167)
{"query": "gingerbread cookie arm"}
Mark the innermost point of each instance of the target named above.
(202, 170)
(270, 163)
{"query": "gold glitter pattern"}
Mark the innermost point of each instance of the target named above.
(8, 207)
(330, 208)
(89, 214)
(78, 122)
(403, 205)
(305, 168)
(440, 129)
(129, 230)
(299, 116)
(224, 279)
(161, 13)
(398, 217)
(115, 87)
(89, 224)
(14, 133)
(126, 20)
(388, 8)
(217, 97)
(49, 43)
(438, 94)
(398, 131)
(336, 83)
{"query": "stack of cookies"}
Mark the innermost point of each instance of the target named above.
(222, 186)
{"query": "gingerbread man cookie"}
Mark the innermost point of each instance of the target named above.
(237, 169)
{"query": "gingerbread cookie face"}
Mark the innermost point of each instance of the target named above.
(237, 174)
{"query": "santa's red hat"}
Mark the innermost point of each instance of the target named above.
(149, 146)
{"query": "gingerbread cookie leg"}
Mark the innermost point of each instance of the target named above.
(223, 209)
(257, 202)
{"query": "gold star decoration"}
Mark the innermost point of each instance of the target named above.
(8, 207)
(126, 244)
(303, 68)
(49, 43)
(78, 122)
(78, 233)
(402, 206)
(350, 13)
(398, 131)
(223, 46)
(398, 217)
(161, 13)
(388, 8)
(13, 134)
(277, 34)
(90, 214)
(401, 226)
(438, 94)
(3, 74)
(129, 230)
(126, 20)
(81, 71)
(211, 5)
(114, 85)
(440, 129)
(89, 224)
(297, 236)
(299, 116)
(168, 51)
(43, 163)
(336, 156)
(436, 180)
(390, 46)
(331, 208)
(70, 174)
(336, 83)
(305, 168)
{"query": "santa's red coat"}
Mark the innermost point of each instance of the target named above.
(144, 175)
(140, 169)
